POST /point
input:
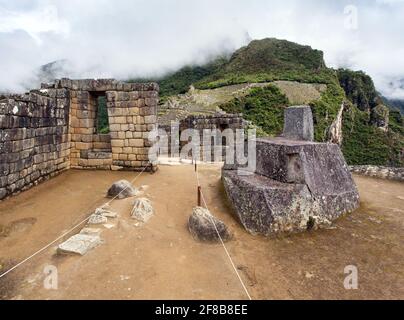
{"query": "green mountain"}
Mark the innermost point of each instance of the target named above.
(367, 139)
(359, 88)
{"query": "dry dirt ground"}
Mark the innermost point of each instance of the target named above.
(160, 260)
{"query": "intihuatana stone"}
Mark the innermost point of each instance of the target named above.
(122, 189)
(296, 186)
(142, 210)
(205, 227)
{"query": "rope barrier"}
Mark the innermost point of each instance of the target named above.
(200, 194)
(67, 232)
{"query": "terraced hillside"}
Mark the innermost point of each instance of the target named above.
(268, 75)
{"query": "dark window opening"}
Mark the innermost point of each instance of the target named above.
(223, 126)
(101, 120)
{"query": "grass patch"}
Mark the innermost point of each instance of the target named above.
(264, 107)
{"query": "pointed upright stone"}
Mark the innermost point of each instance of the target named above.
(299, 123)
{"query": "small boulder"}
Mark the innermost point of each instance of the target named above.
(142, 210)
(202, 223)
(122, 189)
(79, 244)
(97, 219)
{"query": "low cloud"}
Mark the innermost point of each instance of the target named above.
(126, 38)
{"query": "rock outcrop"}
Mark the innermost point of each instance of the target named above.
(122, 189)
(205, 227)
(379, 117)
(335, 131)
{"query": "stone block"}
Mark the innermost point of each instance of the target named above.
(79, 244)
(117, 143)
(150, 119)
(136, 142)
(268, 207)
(120, 120)
(3, 193)
(299, 123)
(115, 127)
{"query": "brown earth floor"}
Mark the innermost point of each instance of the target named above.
(160, 260)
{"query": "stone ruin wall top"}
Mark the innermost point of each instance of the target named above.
(37, 129)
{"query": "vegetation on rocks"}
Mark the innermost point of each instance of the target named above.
(269, 60)
(264, 107)
(359, 88)
(366, 144)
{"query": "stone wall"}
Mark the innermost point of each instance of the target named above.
(34, 143)
(132, 116)
(218, 121)
(379, 172)
(52, 129)
(132, 112)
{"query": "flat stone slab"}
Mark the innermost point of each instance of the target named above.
(79, 244)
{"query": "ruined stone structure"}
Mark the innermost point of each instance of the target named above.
(219, 122)
(34, 142)
(46, 131)
(297, 185)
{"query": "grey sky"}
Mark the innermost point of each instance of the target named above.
(124, 38)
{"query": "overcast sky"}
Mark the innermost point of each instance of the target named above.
(127, 38)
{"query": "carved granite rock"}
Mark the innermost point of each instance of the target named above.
(295, 186)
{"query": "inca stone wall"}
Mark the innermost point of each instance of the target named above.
(379, 172)
(34, 142)
(53, 129)
(218, 122)
(132, 116)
